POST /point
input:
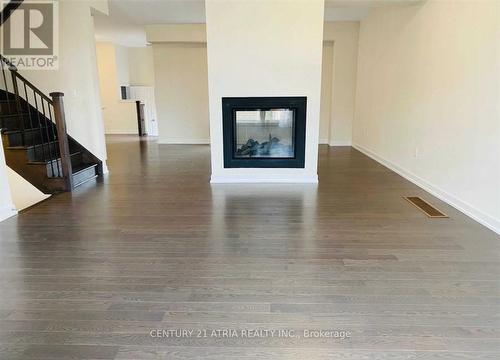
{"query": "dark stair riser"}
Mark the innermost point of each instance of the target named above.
(6, 96)
(31, 137)
(54, 167)
(13, 122)
(85, 175)
(8, 107)
(45, 152)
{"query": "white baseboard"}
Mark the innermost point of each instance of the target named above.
(340, 143)
(462, 206)
(121, 132)
(323, 141)
(105, 169)
(184, 141)
(7, 212)
(235, 179)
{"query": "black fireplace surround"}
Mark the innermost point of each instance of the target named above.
(264, 132)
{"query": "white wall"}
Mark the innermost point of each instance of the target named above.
(181, 92)
(77, 76)
(122, 65)
(279, 57)
(326, 93)
(428, 99)
(118, 29)
(120, 116)
(141, 66)
(101, 6)
(15, 192)
(176, 33)
(337, 112)
(7, 208)
(344, 35)
(23, 193)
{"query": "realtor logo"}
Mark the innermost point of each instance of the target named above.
(30, 35)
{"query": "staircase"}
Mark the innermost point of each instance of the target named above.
(34, 136)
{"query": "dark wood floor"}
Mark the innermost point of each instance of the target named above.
(89, 276)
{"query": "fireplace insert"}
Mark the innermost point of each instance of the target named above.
(264, 132)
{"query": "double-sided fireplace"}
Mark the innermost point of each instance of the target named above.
(264, 132)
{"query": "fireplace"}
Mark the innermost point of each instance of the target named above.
(264, 132)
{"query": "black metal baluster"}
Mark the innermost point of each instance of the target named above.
(44, 158)
(49, 145)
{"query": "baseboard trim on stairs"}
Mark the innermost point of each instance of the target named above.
(105, 169)
(462, 206)
(7, 212)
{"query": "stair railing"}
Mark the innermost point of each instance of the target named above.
(8, 9)
(39, 117)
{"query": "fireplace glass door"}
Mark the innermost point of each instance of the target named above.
(264, 133)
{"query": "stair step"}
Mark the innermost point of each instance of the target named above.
(41, 152)
(3, 95)
(54, 167)
(12, 121)
(8, 107)
(46, 151)
(3, 116)
(31, 136)
(84, 173)
(8, 132)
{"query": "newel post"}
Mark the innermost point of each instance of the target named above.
(62, 138)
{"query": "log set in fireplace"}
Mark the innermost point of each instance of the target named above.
(264, 132)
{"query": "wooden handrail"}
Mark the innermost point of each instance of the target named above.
(11, 66)
(8, 9)
(16, 73)
(32, 87)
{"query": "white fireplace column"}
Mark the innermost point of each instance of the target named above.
(265, 48)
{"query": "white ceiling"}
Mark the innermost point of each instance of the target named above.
(356, 10)
(125, 23)
(144, 12)
(126, 20)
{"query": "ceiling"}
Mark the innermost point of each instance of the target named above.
(144, 12)
(126, 20)
(125, 23)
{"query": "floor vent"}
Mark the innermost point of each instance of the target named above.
(425, 207)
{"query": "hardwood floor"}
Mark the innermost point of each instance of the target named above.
(155, 247)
